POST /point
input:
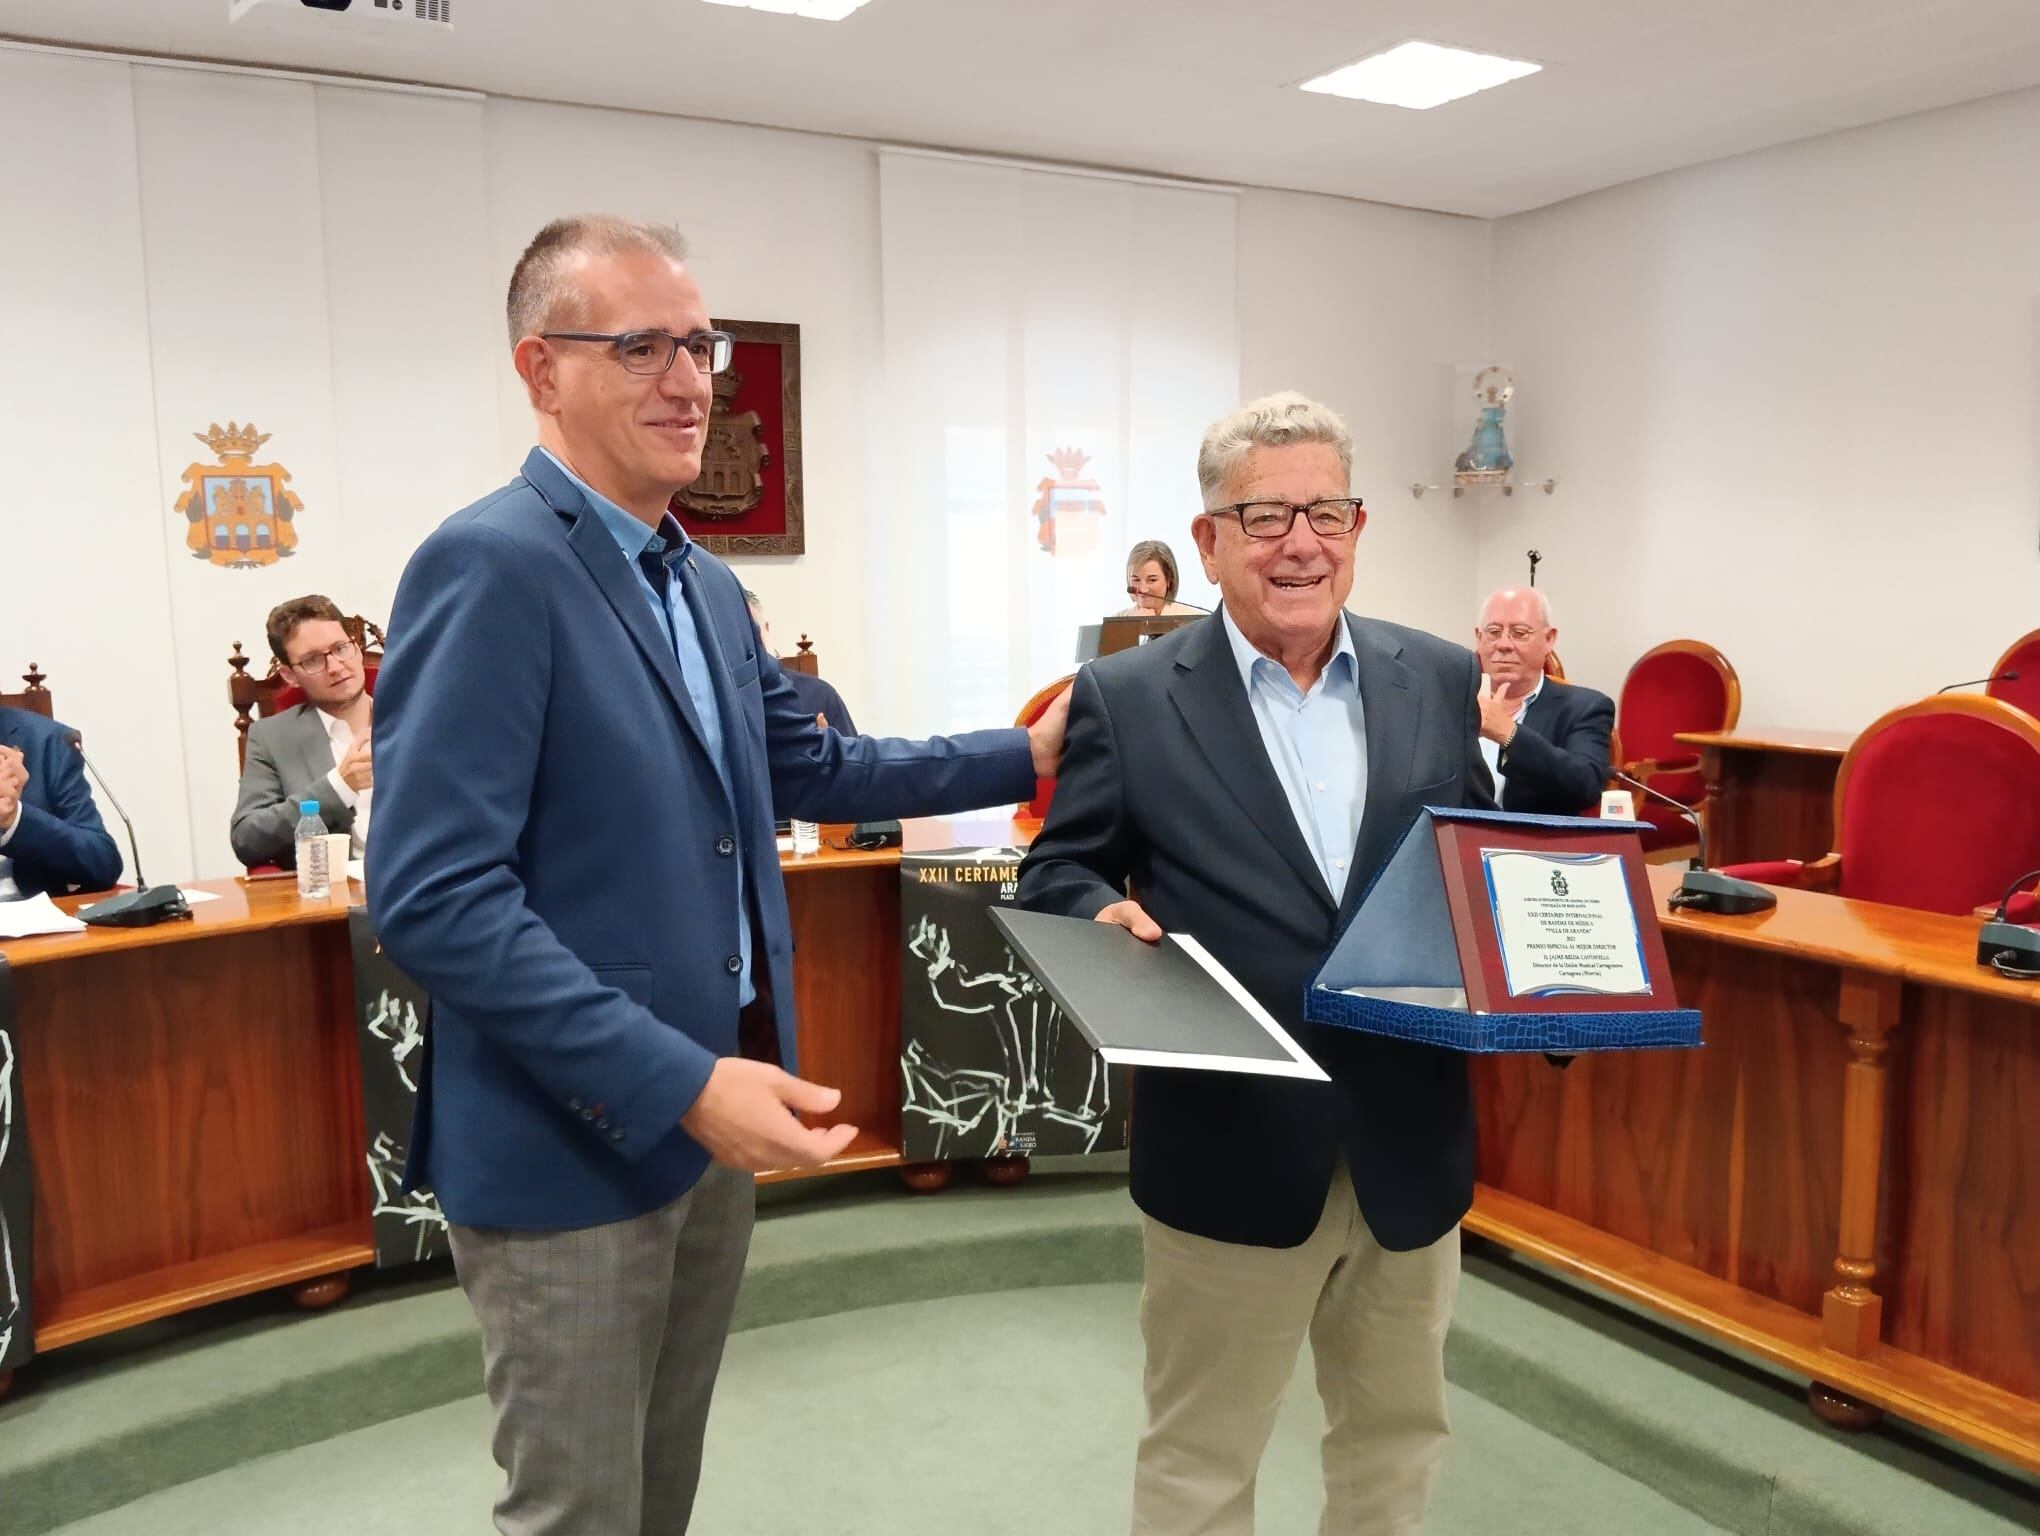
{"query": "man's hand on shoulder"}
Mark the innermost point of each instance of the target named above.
(745, 1118)
(1045, 736)
(1131, 916)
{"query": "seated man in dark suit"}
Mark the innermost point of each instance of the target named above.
(1546, 742)
(51, 837)
(317, 750)
(816, 696)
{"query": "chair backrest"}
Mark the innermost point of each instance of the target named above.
(36, 698)
(1937, 805)
(1553, 667)
(1682, 685)
(1030, 712)
(803, 659)
(2023, 691)
(256, 698)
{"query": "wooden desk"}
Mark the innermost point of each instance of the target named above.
(1770, 793)
(193, 1090)
(1844, 1181)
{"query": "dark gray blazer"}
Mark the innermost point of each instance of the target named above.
(290, 758)
(1165, 785)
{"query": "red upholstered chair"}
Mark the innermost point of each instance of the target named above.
(2022, 692)
(36, 699)
(1682, 685)
(1937, 807)
(1030, 712)
(271, 694)
(1553, 667)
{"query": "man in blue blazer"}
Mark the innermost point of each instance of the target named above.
(1546, 743)
(51, 837)
(581, 748)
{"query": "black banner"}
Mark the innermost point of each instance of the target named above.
(17, 1191)
(391, 1014)
(989, 1064)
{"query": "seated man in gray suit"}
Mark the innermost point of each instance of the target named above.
(318, 750)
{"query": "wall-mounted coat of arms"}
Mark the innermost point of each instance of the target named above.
(242, 514)
(1070, 509)
(748, 500)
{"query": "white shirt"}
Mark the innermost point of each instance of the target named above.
(1492, 750)
(341, 734)
(9, 891)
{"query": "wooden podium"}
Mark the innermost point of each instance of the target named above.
(1122, 632)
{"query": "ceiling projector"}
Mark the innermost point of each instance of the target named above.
(384, 18)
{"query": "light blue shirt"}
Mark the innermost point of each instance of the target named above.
(676, 619)
(1317, 745)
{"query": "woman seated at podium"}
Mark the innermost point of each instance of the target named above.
(1151, 581)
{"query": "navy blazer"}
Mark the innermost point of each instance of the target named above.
(61, 845)
(1165, 785)
(1557, 764)
(555, 859)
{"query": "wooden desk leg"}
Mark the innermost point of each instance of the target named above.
(316, 1295)
(1711, 818)
(927, 1178)
(1006, 1170)
(1852, 1314)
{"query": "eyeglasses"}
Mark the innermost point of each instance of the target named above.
(1516, 632)
(319, 661)
(654, 351)
(1273, 519)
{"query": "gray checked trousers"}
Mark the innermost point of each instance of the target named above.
(600, 1351)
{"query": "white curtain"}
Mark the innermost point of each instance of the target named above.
(1053, 343)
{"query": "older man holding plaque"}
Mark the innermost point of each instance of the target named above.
(1241, 780)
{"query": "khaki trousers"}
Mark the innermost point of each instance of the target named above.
(1223, 1322)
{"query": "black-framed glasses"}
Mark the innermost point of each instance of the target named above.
(1330, 516)
(654, 351)
(318, 661)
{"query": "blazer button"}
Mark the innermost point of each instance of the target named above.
(734, 964)
(726, 846)
(616, 1135)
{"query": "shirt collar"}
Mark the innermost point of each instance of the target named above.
(1246, 657)
(630, 533)
(1523, 707)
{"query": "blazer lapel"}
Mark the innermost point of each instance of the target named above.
(611, 572)
(719, 676)
(1389, 701)
(1207, 692)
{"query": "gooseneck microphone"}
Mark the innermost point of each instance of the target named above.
(1704, 889)
(141, 908)
(1981, 682)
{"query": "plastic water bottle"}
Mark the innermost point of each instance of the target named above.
(314, 879)
(807, 837)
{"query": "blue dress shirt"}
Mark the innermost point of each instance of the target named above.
(1317, 745)
(667, 550)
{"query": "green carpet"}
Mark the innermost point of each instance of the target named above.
(993, 1415)
(972, 1352)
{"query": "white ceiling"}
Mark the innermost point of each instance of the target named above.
(1190, 87)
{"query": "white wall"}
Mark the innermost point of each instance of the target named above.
(330, 260)
(1373, 310)
(1790, 401)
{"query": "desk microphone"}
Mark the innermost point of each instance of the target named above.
(141, 908)
(1704, 889)
(2011, 949)
(2002, 677)
(1136, 594)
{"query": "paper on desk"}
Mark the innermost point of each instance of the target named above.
(36, 915)
(193, 896)
(357, 869)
